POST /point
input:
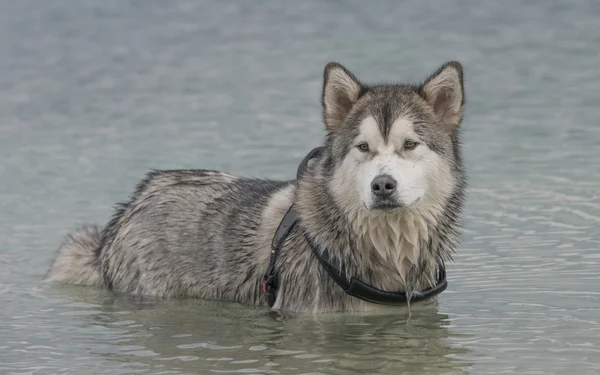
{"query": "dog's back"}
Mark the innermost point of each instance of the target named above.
(183, 233)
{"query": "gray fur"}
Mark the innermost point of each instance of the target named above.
(77, 261)
(207, 234)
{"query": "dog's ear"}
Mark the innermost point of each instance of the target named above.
(341, 90)
(444, 92)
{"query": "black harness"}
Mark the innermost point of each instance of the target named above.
(352, 287)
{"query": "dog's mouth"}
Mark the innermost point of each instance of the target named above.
(386, 206)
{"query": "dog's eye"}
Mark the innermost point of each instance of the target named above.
(409, 145)
(364, 147)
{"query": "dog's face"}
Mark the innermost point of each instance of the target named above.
(394, 146)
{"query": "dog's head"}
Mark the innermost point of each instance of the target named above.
(394, 147)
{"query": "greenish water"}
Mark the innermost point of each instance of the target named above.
(94, 94)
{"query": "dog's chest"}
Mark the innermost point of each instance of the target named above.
(399, 241)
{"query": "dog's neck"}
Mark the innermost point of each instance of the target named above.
(397, 252)
(400, 243)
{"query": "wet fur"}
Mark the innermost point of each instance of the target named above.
(207, 234)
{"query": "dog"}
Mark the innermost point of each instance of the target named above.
(382, 200)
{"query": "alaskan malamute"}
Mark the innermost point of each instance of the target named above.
(370, 220)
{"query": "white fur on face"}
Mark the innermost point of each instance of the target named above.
(424, 182)
(423, 177)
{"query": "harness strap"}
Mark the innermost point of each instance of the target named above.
(269, 282)
(366, 292)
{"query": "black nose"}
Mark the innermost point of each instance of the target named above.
(383, 185)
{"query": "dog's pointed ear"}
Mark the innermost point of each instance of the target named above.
(444, 91)
(341, 90)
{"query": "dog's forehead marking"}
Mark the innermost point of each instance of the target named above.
(401, 129)
(372, 132)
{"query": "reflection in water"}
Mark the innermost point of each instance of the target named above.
(194, 335)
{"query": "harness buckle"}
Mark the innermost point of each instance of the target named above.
(269, 285)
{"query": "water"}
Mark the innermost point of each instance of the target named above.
(93, 94)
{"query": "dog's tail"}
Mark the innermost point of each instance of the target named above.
(77, 261)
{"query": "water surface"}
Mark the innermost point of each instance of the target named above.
(94, 94)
